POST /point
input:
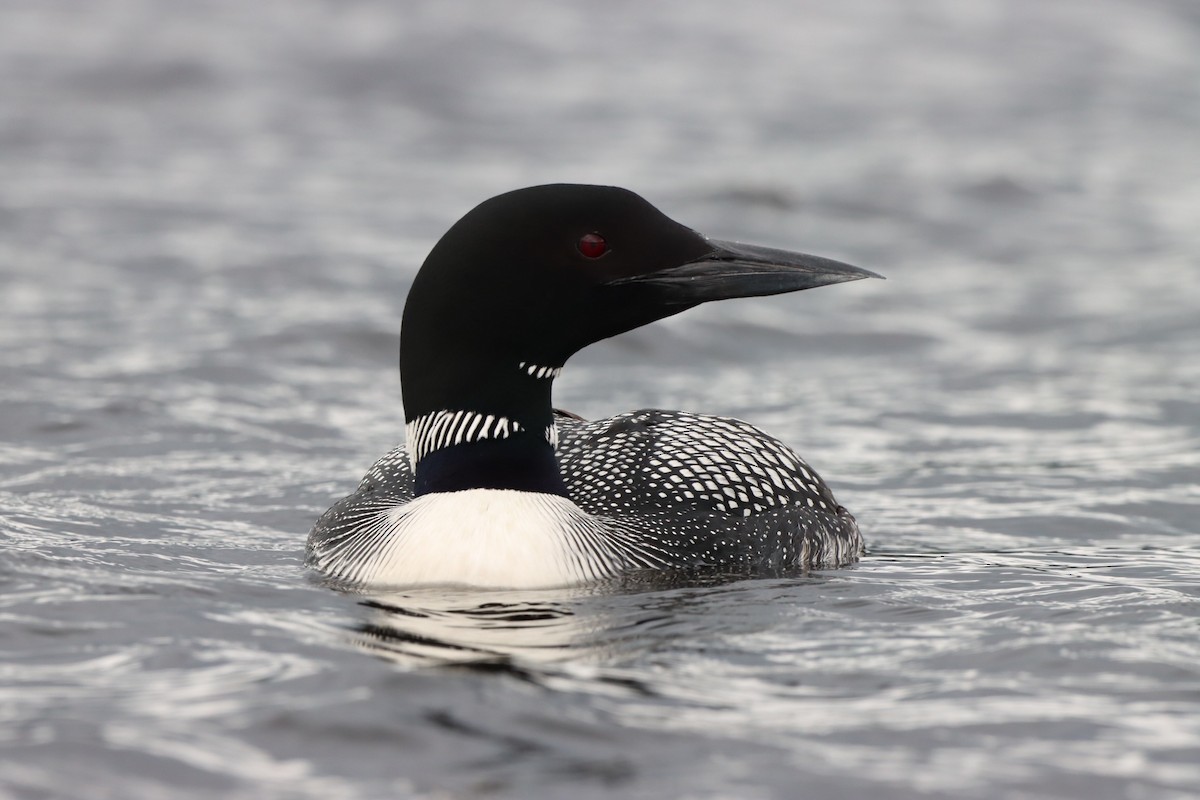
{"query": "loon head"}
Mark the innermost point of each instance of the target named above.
(534, 275)
(528, 278)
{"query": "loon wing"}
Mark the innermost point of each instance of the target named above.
(716, 491)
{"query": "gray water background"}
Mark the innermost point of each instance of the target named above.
(209, 216)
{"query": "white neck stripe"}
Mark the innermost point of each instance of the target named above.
(440, 429)
(536, 371)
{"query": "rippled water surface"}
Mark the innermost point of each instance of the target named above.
(209, 216)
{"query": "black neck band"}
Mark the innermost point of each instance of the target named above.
(525, 463)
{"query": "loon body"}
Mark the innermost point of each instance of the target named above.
(496, 489)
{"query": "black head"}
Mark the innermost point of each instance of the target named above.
(534, 275)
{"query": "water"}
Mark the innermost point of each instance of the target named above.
(209, 214)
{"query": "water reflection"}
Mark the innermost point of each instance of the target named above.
(426, 627)
(498, 629)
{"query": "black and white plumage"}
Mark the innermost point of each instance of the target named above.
(496, 489)
(664, 490)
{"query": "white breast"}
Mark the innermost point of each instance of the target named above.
(478, 537)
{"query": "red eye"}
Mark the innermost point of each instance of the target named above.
(592, 245)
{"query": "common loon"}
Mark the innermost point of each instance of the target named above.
(497, 489)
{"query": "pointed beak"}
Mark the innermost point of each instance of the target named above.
(733, 269)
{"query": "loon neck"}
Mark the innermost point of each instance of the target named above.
(489, 434)
(524, 463)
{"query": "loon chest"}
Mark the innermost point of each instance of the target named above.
(477, 537)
